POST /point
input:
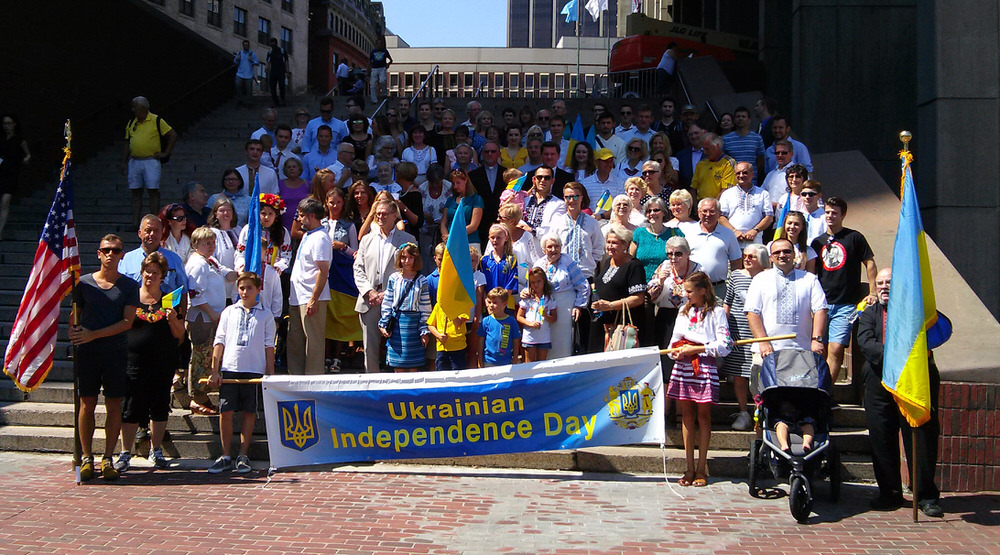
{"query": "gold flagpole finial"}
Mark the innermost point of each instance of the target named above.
(906, 137)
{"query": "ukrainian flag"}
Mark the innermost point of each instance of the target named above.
(173, 298)
(574, 139)
(456, 293)
(911, 310)
(518, 184)
(780, 233)
(252, 256)
(604, 204)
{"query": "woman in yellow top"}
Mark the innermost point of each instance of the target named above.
(514, 155)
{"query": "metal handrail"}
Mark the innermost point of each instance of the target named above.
(479, 89)
(715, 116)
(377, 110)
(680, 79)
(422, 85)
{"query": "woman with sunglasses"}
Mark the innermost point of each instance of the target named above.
(739, 361)
(359, 137)
(621, 209)
(396, 128)
(635, 154)
(176, 230)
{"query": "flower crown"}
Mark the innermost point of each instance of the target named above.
(274, 201)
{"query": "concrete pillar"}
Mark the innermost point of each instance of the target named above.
(958, 137)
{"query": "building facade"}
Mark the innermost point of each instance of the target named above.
(500, 72)
(341, 30)
(227, 23)
(538, 23)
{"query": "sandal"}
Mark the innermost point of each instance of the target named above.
(197, 408)
(699, 481)
(685, 480)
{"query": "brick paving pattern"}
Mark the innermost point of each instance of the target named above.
(410, 509)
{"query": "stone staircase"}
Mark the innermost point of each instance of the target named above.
(43, 419)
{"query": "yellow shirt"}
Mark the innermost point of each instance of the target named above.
(143, 139)
(516, 162)
(447, 327)
(711, 178)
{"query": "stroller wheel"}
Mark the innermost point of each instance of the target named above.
(754, 467)
(799, 499)
(833, 466)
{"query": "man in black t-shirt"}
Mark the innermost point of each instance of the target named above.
(842, 252)
(277, 68)
(106, 301)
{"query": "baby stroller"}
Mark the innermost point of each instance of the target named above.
(794, 387)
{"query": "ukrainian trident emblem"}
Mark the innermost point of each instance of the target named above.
(297, 420)
(629, 404)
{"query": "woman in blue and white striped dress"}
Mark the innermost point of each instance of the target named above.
(407, 302)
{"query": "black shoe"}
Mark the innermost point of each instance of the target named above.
(142, 434)
(930, 507)
(881, 503)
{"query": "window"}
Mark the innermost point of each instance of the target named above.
(263, 30)
(186, 7)
(286, 40)
(286, 5)
(529, 85)
(215, 13)
(240, 21)
(560, 83)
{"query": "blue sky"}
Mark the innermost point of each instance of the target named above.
(448, 22)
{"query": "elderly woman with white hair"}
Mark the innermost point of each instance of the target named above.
(621, 210)
(739, 361)
(681, 205)
(570, 291)
(620, 284)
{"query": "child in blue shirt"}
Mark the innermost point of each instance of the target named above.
(432, 279)
(500, 330)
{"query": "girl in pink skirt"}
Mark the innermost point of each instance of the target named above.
(700, 338)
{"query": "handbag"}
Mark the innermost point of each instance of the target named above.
(390, 325)
(626, 335)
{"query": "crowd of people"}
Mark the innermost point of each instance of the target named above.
(693, 238)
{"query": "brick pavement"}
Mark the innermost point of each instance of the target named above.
(412, 509)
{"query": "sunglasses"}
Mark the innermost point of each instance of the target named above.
(777, 152)
(626, 113)
(390, 115)
(649, 172)
(180, 218)
(543, 118)
(110, 250)
(572, 197)
(330, 111)
(634, 149)
(653, 211)
(808, 194)
(546, 177)
(675, 254)
(781, 252)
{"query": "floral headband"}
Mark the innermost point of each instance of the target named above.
(274, 201)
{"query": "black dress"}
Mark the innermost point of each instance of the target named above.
(152, 360)
(617, 283)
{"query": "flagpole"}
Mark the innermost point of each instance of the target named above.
(906, 137)
(74, 320)
(580, 84)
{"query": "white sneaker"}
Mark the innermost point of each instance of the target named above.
(743, 422)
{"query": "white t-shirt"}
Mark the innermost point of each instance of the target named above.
(762, 299)
(315, 247)
(245, 334)
(422, 158)
(533, 313)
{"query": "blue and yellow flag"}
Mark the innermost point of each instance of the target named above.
(173, 298)
(517, 185)
(456, 288)
(604, 204)
(780, 233)
(252, 256)
(911, 311)
(574, 139)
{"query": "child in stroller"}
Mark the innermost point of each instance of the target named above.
(791, 415)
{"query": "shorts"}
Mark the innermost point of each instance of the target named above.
(97, 369)
(450, 360)
(148, 394)
(239, 397)
(143, 173)
(547, 345)
(838, 327)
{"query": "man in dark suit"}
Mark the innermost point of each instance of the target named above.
(690, 156)
(551, 156)
(488, 182)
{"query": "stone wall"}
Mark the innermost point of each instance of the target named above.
(969, 450)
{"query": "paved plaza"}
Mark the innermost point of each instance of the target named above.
(425, 509)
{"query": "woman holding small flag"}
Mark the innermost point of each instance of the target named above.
(152, 351)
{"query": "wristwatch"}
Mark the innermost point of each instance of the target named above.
(817, 338)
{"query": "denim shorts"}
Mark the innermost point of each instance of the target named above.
(838, 327)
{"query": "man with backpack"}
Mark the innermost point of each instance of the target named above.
(149, 142)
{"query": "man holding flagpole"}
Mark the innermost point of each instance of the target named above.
(885, 421)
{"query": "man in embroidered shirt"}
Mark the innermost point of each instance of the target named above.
(542, 208)
(746, 208)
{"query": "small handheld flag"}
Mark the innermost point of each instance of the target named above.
(518, 184)
(780, 234)
(173, 298)
(604, 204)
(575, 138)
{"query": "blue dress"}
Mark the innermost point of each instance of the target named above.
(404, 348)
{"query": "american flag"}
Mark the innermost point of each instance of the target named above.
(54, 273)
